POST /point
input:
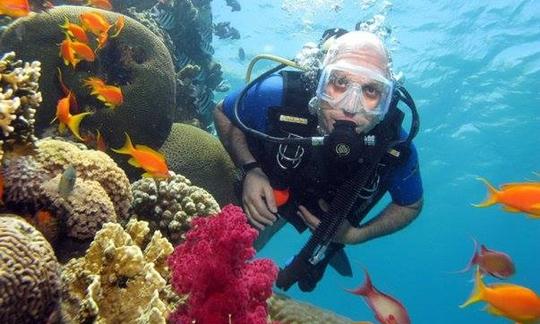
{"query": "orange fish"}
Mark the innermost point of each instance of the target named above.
(75, 31)
(102, 4)
(387, 309)
(146, 158)
(73, 105)
(514, 302)
(497, 264)
(515, 197)
(110, 95)
(118, 26)
(83, 51)
(14, 8)
(66, 119)
(67, 53)
(94, 22)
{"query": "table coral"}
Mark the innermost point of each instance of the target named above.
(29, 273)
(170, 204)
(118, 280)
(201, 158)
(19, 99)
(215, 267)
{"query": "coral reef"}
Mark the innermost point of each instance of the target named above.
(288, 311)
(121, 279)
(29, 273)
(214, 266)
(19, 98)
(202, 159)
(170, 204)
(101, 191)
(136, 61)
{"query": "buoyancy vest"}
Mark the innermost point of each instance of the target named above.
(310, 175)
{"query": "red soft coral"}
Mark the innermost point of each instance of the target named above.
(214, 267)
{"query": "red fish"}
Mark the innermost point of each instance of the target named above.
(102, 4)
(515, 197)
(387, 309)
(496, 263)
(146, 158)
(281, 196)
(67, 53)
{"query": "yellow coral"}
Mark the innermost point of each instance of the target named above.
(116, 282)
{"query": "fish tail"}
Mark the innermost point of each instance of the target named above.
(478, 291)
(127, 148)
(492, 194)
(118, 26)
(365, 289)
(473, 261)
(74, 123)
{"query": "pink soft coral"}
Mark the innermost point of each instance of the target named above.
(214, 267)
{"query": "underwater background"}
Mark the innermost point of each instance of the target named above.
(473, 68)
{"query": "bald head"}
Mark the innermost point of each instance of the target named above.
(359, 48)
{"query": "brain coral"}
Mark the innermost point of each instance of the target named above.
(29, 273)
(121, 279)
(201, 158)
(288, 311)
(100, 194)
(169, 205)
(19, 98)
(136, 61)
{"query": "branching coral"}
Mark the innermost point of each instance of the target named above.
(170, 204)
(29, 273)
(121, 279)
(215, 267)
(19, 99)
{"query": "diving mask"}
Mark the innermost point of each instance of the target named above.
(355, 89)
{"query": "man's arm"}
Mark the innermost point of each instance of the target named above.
(232, 138)
(392, 219)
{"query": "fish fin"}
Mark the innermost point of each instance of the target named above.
(74, 123)
(147, 175)
(134, 162)
(61, 128)
(492, 194)
(118, 25)
(509, 209)
(54, 119)
(520, 184)
(150, 150)
(473, 260)
(127, 148)
(478, 291)
(493, 310)
(340, 262)
(366, 288)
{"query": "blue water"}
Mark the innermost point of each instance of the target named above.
(473, 68)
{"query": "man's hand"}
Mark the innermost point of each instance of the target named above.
(258, 199)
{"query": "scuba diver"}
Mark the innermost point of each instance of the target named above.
(320, 153)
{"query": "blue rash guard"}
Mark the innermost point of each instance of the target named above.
(405, 183)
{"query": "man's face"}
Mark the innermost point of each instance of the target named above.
(360, 92)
